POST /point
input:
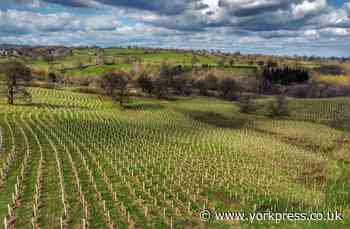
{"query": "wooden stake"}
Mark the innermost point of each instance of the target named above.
(84, 224)
(5, 223)
(61, 221)
(33, 222)
(9, 210)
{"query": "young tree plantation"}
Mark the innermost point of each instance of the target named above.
(174, 114)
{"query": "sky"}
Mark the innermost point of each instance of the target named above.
(278, 27)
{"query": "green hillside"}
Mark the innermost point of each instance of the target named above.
(159, 163)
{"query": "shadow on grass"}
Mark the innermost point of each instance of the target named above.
(218, 120)
(145, 106)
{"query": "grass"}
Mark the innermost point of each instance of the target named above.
(240, 70)
(341, 80)
(96, 70)
(87, 57)
(3, 60)
(69, 65)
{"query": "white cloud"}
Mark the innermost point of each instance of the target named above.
(337, 32)
(107, 22)
(25, 21)
(311, 34)
(213, 5)
(250, 40)
(309, 7)
(335, 18)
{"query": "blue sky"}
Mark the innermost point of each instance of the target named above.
(281, 27)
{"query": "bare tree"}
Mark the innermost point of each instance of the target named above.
(145, 82)
(229, 88)
(16, 76)
(278, 107)
(194, 60)
(247, 105)
(116, 85)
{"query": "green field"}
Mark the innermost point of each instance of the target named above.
(96, 70)
(70, 65)
(160, 163)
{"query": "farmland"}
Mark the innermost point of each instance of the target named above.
(77, 160)
(125, 58)
(174, 114)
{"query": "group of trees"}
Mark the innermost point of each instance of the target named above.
(317, 90)
(177, 81)
(207, 83)
(116, 84)
(285, 76)
(169, 80)
(330, 70)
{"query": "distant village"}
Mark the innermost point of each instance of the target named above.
(34, 52)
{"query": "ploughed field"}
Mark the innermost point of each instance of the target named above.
(77, 160)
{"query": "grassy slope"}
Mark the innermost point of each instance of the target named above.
(96, 70)
(87, 57)
(201, 148)
(341, 80)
